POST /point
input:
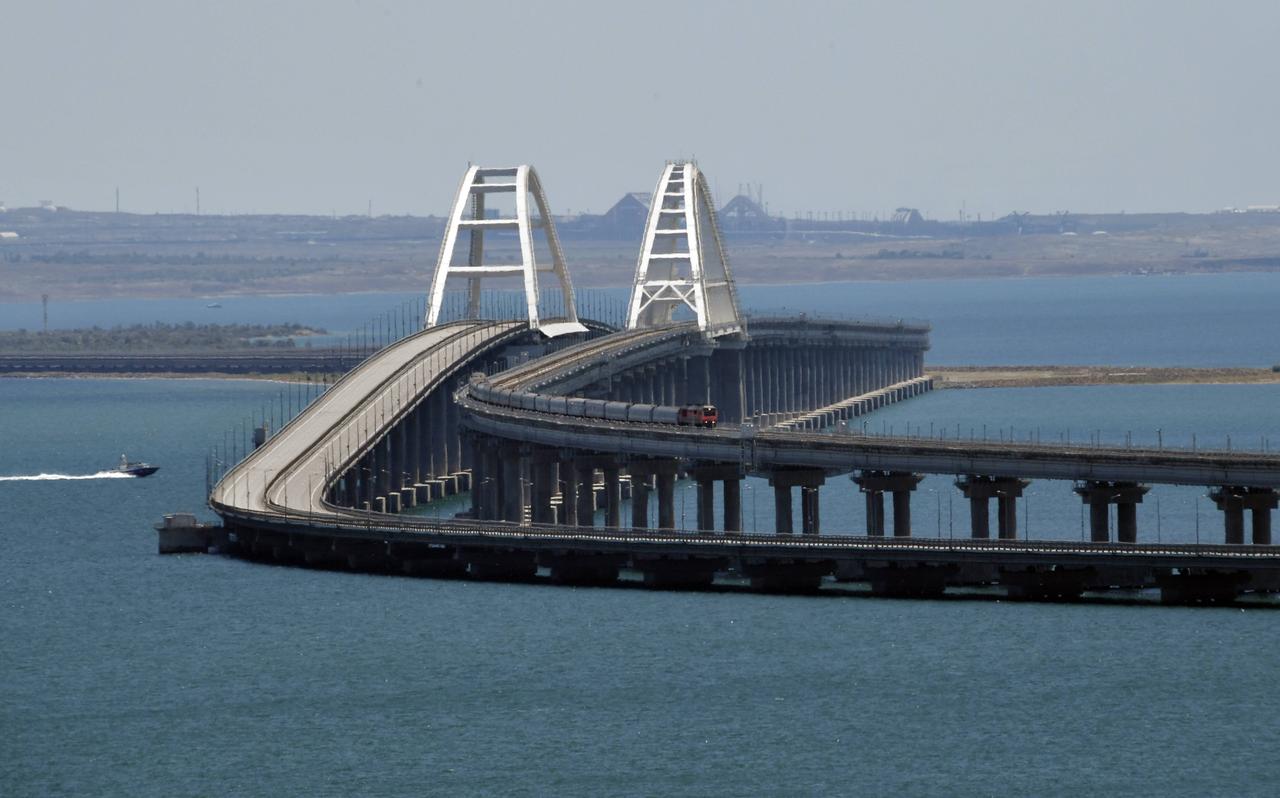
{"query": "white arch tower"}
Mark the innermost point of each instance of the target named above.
(683, 261)
(469, 215)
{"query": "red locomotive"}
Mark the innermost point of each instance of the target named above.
(697, 416)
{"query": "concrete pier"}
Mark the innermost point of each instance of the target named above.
(897, 483)
(1100, 496)
(979, 490)
(1233, 501)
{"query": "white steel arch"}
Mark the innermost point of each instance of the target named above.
(468, 214)
(683, 259)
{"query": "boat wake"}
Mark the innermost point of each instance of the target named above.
(113, 474)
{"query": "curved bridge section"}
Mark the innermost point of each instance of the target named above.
(339, 445)
(325, 490)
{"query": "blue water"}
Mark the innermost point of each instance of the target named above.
(127, 673)
(1194, 320)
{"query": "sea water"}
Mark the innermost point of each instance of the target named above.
(1178, 320)
(127, 673)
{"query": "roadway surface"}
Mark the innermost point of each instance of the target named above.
(288, 473)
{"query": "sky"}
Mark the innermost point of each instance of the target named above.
(336, 107)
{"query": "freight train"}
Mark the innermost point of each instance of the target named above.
(704, 416)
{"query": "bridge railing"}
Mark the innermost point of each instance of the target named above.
(428, 529)
(1036, 441)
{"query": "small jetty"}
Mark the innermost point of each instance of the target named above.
(181, 533)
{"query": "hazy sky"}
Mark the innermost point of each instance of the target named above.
(318, 107)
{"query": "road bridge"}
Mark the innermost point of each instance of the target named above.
(545, 424)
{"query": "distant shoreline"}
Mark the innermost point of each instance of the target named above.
(947, 377)
(960, 377)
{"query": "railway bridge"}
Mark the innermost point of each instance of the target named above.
(554, 421)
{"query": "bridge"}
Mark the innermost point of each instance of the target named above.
(546, 421)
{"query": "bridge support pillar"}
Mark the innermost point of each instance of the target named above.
(1100, 496)
(698, 380)
(568, 490)
(809, 481)
(453, 460)
(875, 484)
(809, 506)
(1234, 500)
(543, 467)
(782, 509)
(667, 499)
(979, 490)
(584, 473)
(639, 502)
(727, 392)
(612, 497)
(706, 503)
(512, 466)
(490, 467)
(733, 504)
(707, 475)
(642, 471)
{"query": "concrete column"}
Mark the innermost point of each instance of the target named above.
(568, 490)
(900, 484)
(613, 498)
(902, 512)
(639, 502)
(491, 483)
(512, 483)
(1100, 496)
(379, 469)
(783, 482)
(476, 444)
(453, 438)
(727, 393)
(543, 468)
(585, 475)
(875, 513)
(437, 417)
(667, 500)
(980, 516)
(790, 401)
(413, 449)
(733, 504)
(979, 490)
(810, 523)
(1099, 509)
(1261, 526)
(1230, 500)
(706, 504)
(397, 445)
(782, 509)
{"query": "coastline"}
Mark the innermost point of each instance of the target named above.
(946, 377)
(963, 377)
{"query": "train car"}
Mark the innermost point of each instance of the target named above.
(616, 411)
(527, 401)
(642, 414)
(697, 416)
(558, 404)
(575, 406)
(665, 414)
(594, 408)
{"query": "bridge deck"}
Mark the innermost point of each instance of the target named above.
(289, 472)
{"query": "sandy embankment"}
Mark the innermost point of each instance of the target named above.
(1039, 376)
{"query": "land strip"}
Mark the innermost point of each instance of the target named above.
(1042, 376)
